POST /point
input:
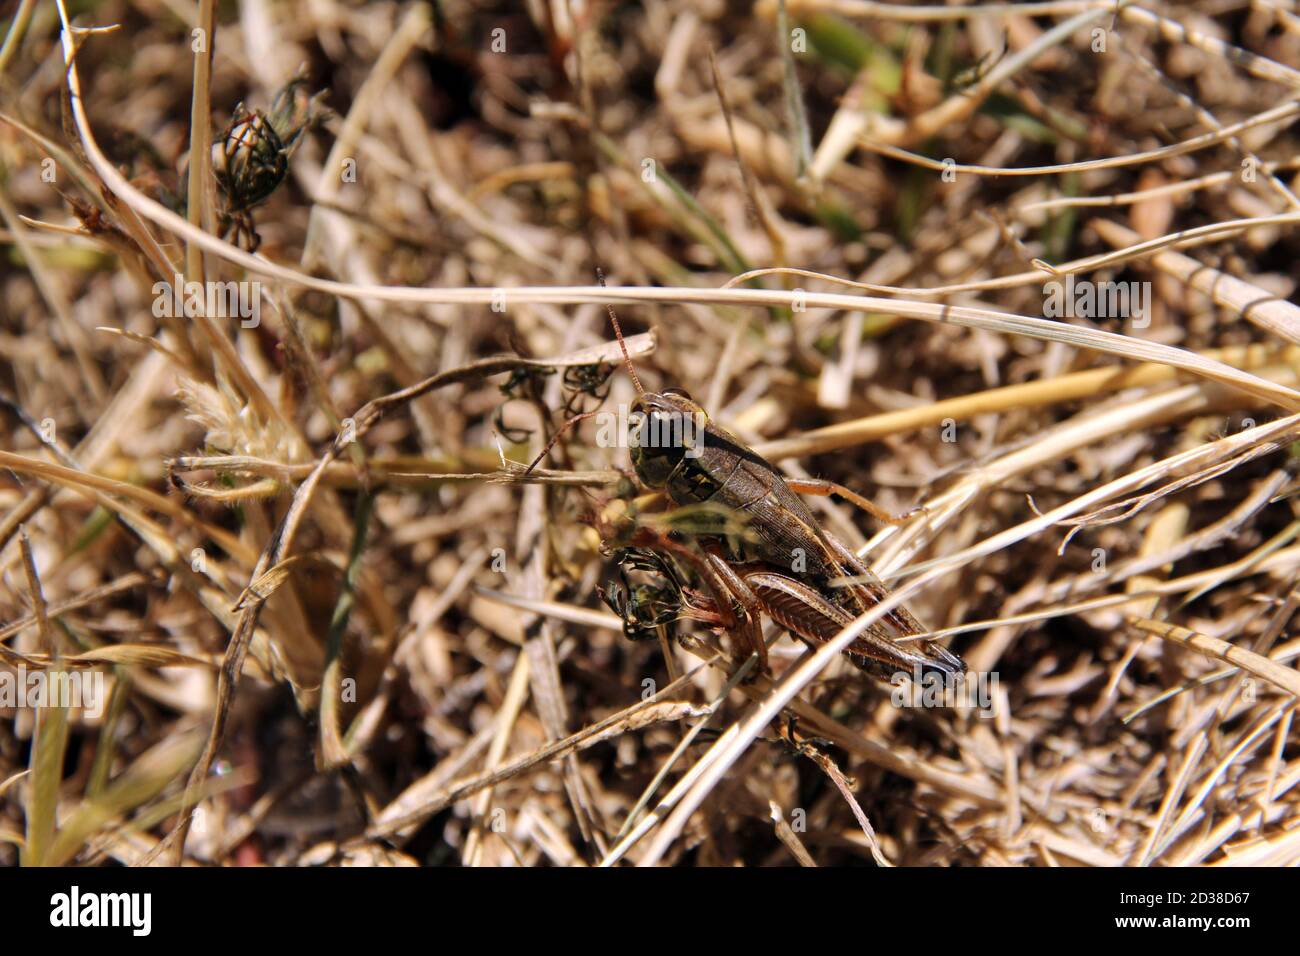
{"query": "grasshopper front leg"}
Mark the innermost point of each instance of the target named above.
(725, 588)
(751, 607)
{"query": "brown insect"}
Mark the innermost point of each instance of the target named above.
(757, 548)
(805, 612)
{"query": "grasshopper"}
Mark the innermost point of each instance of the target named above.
(759, 548)
(806, 612)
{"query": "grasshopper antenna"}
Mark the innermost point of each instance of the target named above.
(627, 359)
(556, 437)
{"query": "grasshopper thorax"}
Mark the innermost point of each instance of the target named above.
(667, 428)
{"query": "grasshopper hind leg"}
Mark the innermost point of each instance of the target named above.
(946, 665)
(929, 656)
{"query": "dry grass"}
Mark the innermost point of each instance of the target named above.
(335, 621)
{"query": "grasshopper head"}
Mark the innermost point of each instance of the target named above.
(667, 427)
